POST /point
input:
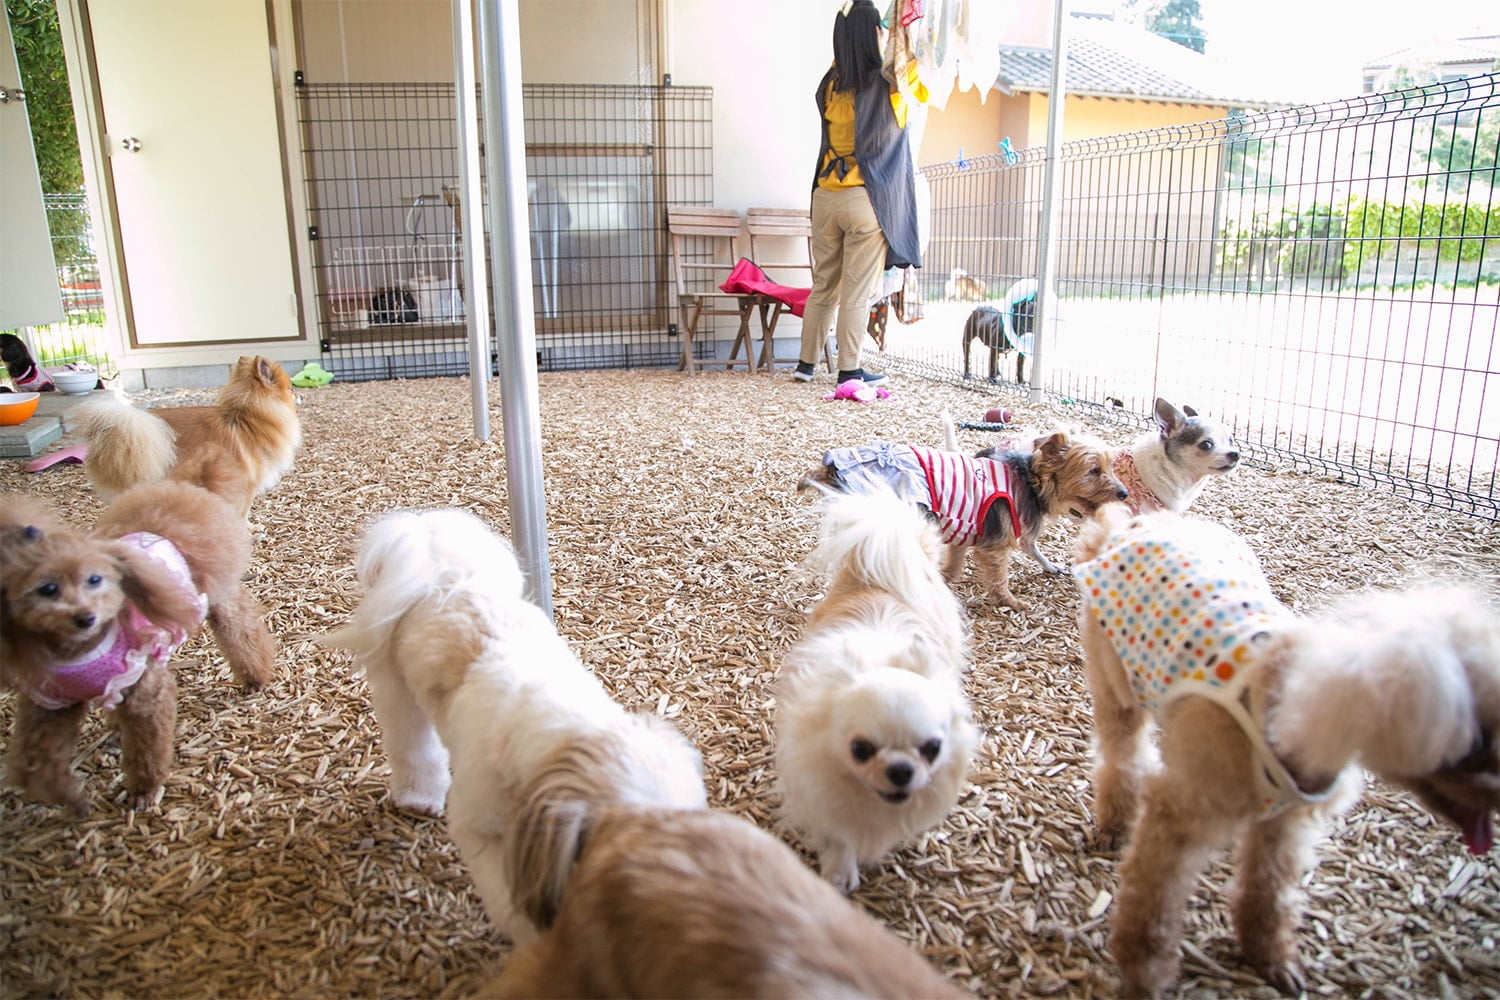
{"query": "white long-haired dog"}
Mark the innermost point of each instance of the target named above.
(873, 732)
(463, 669)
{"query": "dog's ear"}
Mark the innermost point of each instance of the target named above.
(154, 589)
(556, 812)
(1189, 411)
(1052, 445)
(265, 370)
(1170, 419)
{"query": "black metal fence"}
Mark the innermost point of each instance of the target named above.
(1326, 278)
(79, 337)
(602, 162)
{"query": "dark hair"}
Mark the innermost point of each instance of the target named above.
(856, 46)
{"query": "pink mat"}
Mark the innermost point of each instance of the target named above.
(75, 453)
(747, 278)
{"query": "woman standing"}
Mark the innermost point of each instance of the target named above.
(864, 215)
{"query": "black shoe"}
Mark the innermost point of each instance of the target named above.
(868, 378)
(804, 372)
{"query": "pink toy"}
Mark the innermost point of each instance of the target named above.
(857, 390)
(74, 453)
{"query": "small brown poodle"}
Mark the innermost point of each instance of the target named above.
(1265, 721)
(95, 619)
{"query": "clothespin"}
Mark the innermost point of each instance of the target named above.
(963, 164)
(1011, 156)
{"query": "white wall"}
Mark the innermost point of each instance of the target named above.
(764, 61)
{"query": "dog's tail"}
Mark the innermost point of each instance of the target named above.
(879, 540)
(950, 432)
(409, 556)
(126, 446)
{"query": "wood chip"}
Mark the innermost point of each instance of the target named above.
(275, 865)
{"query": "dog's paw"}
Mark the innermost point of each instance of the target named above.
(1285, 976)
(148, 799)
(418, 801)
(840, 868)
(1106, 840)
(1007, 599)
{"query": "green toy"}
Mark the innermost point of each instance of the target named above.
(311, 375)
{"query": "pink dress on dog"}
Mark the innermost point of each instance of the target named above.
(130, 645)
(1186, 622)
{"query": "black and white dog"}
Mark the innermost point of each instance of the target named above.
(1166, 470)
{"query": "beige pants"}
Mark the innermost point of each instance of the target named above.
(848, 251)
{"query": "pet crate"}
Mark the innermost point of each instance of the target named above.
(417, 281)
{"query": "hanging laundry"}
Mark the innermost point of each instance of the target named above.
(954, 43)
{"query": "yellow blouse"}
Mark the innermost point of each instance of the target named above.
(839, 110)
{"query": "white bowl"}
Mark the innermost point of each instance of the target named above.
(74, 383)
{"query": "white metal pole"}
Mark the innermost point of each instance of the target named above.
(471, 217)
(515, 339)
(1046, 297)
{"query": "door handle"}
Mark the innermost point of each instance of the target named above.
(14, 94)
(131, 145)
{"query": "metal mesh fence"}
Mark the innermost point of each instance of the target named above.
(1326, 278)
(79, 337)
(602, 163)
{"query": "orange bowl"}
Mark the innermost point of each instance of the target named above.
(17, 407)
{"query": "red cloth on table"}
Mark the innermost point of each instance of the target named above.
(748, 278)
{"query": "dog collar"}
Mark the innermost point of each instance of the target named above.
(1130, 478)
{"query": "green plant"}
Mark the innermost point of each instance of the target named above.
(49, 102)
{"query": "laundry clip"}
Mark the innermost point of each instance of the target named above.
(1011, 156)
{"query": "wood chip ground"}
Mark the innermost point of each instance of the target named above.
(274, 864)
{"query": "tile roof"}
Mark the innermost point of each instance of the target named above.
(1108, 59)
(1477, 49)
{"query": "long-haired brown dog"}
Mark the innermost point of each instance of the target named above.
(636, 901)
(1265, 719)
(993, 502)
(95, 619)
(239, 447)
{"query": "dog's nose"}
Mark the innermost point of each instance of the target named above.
(1122, 493)
(85, 620)
(1233, 456)
(899, 774)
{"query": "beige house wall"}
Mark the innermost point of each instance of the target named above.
(1022, 117)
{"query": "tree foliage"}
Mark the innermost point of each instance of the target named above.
(1174, 20)
(49, 103)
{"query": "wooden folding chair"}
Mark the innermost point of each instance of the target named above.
(787, 224)
(712, 233)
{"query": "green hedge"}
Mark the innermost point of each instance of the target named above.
(1340, 238)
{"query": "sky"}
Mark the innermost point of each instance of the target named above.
(1320, 45)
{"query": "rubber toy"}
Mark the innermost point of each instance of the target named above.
(857, 390)
(312, 375)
